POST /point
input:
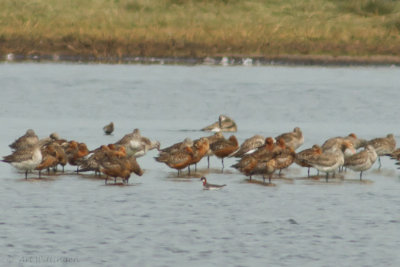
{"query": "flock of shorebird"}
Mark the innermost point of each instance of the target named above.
(257, 155)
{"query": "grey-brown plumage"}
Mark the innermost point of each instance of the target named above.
(224, 124)
(109, 128)
(357, 142)
(292, 139)
(178, 146)
(27, 158)
(249, 145)
(362, 160)
(136, 144)
(383, 146)
(28, 139)
(330, 160)
(303, 156)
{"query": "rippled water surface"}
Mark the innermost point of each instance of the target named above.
(162, 220)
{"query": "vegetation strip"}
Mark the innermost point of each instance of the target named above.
(309, 31)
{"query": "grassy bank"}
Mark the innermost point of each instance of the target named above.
(200, 28)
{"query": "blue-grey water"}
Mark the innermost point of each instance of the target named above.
(165, 220)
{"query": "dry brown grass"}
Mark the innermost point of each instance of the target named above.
(199, 28)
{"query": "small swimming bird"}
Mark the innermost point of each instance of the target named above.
(362, 160)
(249, 145)
(207, 186)
(224, 124)
(383, 146)
(302, 157)
(28, 139)
(109, 128)
(224, 147)
(292, 139)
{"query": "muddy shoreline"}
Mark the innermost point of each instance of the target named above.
(300, 60)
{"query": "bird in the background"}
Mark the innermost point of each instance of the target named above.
(109, 128)
(224, 124)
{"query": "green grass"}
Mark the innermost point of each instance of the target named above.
(199, 28)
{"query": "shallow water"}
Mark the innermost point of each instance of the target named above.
(165, 220)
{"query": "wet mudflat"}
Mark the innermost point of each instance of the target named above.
(161, 219)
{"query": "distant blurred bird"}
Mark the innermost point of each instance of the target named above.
(109, 128)
(224, 124)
